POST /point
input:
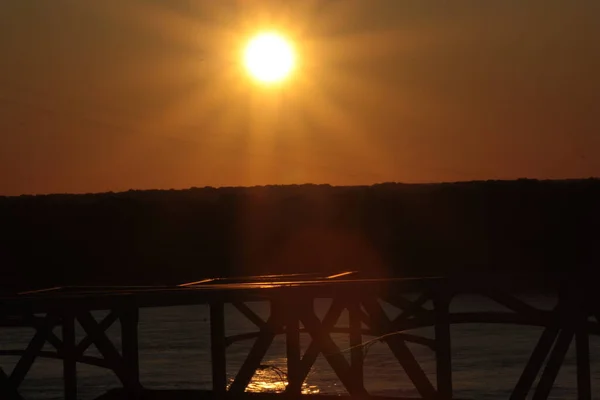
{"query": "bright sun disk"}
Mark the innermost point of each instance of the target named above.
(269, 58)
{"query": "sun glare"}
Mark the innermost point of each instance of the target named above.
(269, 57)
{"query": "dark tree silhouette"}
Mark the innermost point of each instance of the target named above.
(167, 237)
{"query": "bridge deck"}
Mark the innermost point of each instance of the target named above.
(247, 289)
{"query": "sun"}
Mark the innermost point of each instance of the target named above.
(269, 57)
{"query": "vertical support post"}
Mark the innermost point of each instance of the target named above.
(130, 348)
(218, 347)
(443, 350)
(584, 389)
(356, 348)
(69, 361)
(582, 346)
(292, 341)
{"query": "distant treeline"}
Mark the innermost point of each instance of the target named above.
(175, 236)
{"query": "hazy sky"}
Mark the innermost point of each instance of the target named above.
(118, 94)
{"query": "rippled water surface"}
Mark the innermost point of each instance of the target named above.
(175, 353)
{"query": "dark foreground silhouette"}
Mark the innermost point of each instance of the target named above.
(550, 228)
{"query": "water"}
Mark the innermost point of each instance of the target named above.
(175, 354)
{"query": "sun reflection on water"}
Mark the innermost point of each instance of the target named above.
(272, 379)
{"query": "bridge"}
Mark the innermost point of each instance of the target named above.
(53, 314)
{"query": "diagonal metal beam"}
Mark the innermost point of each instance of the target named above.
(535, 363)
(252, 362)
(33, 348)
(7, 389)
(319, 333)
(400, 350)
(38, 322)
(54, 341)
(87, 341)
(312, 352)
(410, 308)
(512, 303)
(249, 313)
(258, 351)
(103, 343)
(554, 363)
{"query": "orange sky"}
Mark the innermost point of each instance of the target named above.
(120, 94)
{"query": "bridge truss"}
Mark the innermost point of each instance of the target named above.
(418, 303)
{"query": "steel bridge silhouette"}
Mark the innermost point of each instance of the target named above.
(53, 314)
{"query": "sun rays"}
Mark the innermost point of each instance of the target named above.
(220, 105)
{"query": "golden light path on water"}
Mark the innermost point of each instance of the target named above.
(272, 379)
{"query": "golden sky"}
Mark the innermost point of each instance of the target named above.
(119, 94)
